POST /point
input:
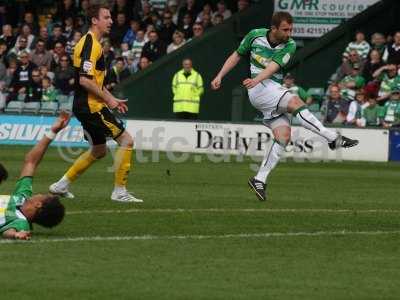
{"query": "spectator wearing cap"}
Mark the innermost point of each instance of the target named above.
(392, 52)
(22, 77)
(388, 77)
(223, 10)
(373, 63)
(40, 56)
(355, 108)
(391, 110)
(289, 83)
(178, 40)
(118, 29)
(335, 108)
(64, 76)
(35, 87)
(7, 36)
(189, 8)
(117, 73)
(359, 44)
(57, 36)
(130, 35)
(167, 29)
(154, 48)
(378, 42)
(351, 83)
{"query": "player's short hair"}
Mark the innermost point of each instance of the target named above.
(3, 173)
(94, 9)
(279, 17)
(51, 213)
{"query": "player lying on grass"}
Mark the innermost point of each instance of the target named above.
(269, 51)
(21, 209)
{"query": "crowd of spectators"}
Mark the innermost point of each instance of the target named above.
(36, 49)
(365, 89)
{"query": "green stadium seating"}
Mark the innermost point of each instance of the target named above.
(49, 108)
(31, 107)
(14, 107)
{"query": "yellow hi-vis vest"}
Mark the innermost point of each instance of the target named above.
(187, 92)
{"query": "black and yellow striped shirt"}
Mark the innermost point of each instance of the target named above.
(89, 62)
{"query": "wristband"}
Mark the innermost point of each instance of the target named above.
(50, 135)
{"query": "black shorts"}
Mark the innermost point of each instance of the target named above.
(99, 126)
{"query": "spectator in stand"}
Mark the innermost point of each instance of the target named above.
(12, 67)
(44, 72)
(57, 37)
(145, 15)
(378, 42)
(59, 51)
(392, 52)
(373, 63)
(125, 50)
(198, 30)
(187, 87)
(44, 36)
(360, 45)
(130, 35)
(154, 48)
(131, 63)
(26, 33)
(40, 56)
(149, 28)
(289, 83)
(49, 93)
(391, 110)
(3, 52)
(346, 67)
(144, 63)
(65, 8)
(29, 19)
(167, 29)
(118, 29)
(351, 83)
(123, 6)
(155, 20)
(207, 21)
(22, 77)
(242, 5)
(158, 5)
(186, 27)
(35, 87)
(222, 10)
(69, 48)
(20, 47)
(117, 74)
(68, 29)
(217, 19)
(8, 36)
(138, 45)
(178, 41)
(371, 114)
(172, 7)
(388, 77)
(3, 100)
(335, 107)
(64, 76)
(190, 8)
(108, 54)
(207, 10)
(355, 108)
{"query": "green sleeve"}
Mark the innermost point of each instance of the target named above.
(22, 191)
(360, 81)
(303, 94)
(245, 45)
(17, 224)
(282, 57)
(382, 110)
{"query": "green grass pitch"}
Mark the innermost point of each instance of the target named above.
(329, 231)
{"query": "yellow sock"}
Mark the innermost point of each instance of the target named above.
(80, 165)
(122, 165)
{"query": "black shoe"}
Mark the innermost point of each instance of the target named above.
(342, 142)
(258, 187)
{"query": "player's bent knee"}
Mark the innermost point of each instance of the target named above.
(99, 152)
(125, 140)
(295, 103)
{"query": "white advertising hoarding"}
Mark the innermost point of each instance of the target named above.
(253, 140)
(314, 18)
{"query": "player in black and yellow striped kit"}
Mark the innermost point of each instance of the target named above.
(92, 104)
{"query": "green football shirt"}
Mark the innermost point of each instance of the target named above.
(256, 44)
(10, 215)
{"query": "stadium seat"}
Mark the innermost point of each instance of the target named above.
(14, 107)
(49, 108)
(317, 93)
(31, 107)
(66, 104)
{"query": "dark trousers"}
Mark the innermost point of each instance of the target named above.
(186, 116)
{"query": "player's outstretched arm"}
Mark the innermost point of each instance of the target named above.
(17, 235)
(271, 69)
(35, 155)
(229, 64)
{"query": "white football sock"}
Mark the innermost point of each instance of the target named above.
(64, 182)
(309, 121)
(270, 161)
(119, 189)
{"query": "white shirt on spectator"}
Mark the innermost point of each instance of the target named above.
(362, 48)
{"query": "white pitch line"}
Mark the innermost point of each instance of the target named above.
(230, 210)
(202, 237)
